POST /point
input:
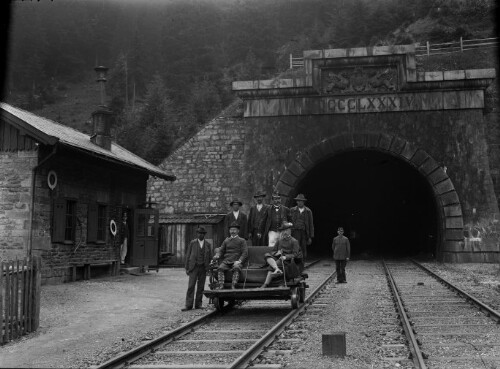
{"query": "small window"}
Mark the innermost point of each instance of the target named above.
(70, 221)
(101, 223)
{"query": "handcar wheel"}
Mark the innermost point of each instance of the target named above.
(219, 304)
(231, 303)
(302, 293)
(294, 297)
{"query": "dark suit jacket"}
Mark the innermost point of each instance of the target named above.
(308, 219)
(192, 253)
(242, 221)
(255, 218)
(268, 216)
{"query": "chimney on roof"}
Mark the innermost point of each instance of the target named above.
(101, 118)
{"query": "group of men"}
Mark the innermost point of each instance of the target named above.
(286, 231)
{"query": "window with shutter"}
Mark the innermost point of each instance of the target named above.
(92, 223)
(70, 221)
(101, 222)
(58, 220)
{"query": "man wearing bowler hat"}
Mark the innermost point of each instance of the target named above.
(255, 224)
(198, 256)
(232, 254)
(274, 217)
(303, 227)
(238, 217)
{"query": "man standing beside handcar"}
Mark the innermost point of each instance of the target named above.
(341, 254)
(303, 227)
(255, 224)
(285, 250)
(198, 256)
(237, 216)
(274, 217)
(233, 253)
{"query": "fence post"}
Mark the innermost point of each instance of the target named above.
(291, 61)
(37, 280)
(428, 49)
(2, 319)
(461, 44)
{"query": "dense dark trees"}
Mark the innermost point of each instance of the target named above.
(171, 62)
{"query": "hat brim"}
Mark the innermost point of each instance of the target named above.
(235, 202)
(260, 195)
(233, 226)
(300, 199)
(200, 231)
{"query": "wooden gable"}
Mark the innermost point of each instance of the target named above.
(12, 139)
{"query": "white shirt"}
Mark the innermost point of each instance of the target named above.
(236, 214)
(202, 242)
(301, 210)
(259, 206)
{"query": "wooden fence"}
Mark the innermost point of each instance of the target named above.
(429, 49)
(462, 45)
(20, 282)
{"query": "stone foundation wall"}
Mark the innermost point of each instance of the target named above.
(15, 202)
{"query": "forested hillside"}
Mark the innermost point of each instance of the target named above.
(172, 62)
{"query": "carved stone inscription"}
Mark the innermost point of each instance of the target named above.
(359, 79)
(331, 105)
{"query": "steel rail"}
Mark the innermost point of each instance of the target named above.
(138, 352)
(417, 357)
(487, 309)
(256, 349)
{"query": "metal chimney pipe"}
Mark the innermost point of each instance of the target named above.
(101, 79)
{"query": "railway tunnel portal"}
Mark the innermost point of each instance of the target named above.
(401, 158)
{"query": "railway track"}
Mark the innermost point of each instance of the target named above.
(234, 339)
(445, 327)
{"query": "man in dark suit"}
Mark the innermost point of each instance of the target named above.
(303, 227)
(255, 224)
(238, 217)
(198, 256)
(341, 254)
(274, 217)
(232, 254)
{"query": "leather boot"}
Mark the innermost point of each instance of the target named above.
(220, 278)
(236, 277)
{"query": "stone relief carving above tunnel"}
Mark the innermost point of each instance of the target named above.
(359, 79)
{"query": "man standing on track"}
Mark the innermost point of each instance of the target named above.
(341, 254)
(198, 256)
(303, 227)
(255, 224)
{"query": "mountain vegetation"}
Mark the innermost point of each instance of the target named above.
(172, 62)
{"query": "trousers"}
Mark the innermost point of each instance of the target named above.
(301, 237)
(123, 250)
(340, 267)
(197, 279)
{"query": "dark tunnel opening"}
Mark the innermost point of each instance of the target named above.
(385, 205)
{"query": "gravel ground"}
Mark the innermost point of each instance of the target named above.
(88, 322)
(480, 280)
(364, 310)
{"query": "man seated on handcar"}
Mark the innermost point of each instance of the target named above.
(233, 253)
(283, 255)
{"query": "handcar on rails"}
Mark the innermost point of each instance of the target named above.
(252, 276)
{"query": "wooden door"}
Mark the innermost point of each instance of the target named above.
(145, 245)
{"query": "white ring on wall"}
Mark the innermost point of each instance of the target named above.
(52, 179)
(112, 227)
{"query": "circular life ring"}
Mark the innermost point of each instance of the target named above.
(52, 179)
(112, 227)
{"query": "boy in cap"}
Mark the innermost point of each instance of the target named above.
(233, 253)
(198, 256)
(255, 224)
(238, 217)
(341, 254)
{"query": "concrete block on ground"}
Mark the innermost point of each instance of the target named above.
(334, 344)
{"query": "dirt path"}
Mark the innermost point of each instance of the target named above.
(84, 323)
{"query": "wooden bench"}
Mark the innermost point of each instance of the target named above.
(87, 265)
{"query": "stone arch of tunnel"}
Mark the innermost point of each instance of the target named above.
(392, 197)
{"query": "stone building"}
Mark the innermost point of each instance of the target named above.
(406, 161)
(61, 190)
